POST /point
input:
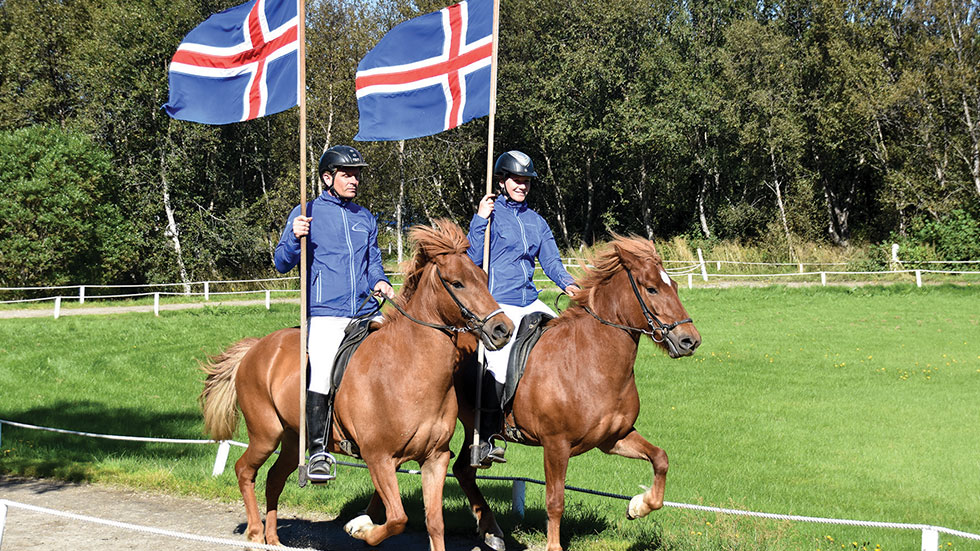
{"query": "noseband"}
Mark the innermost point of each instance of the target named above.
(653, 323)
(473, 322)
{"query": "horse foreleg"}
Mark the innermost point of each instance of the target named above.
(375, 509)
(486, 524)
(634, 446)
(433, 481)
(386, 485)
(274, 483)
(555, 468)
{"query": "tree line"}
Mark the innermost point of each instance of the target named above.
(835, 121)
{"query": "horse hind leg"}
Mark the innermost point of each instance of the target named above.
(258, 451)
(634, 446)
(486, 523)
(386, 485)
(275, 482)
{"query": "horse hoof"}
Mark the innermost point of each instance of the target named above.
(495, 542)
(359, 527)
(637, 508)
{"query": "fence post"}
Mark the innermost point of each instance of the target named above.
(704, 269)
(930, 539)
(156, 304)
(3, 519)
(81, 294)
(221, 459)
(823, 278)
(207, 291)
(517, 498)
(57, 307)
(918, 278)
(801, 267)
(690, 281)
(268, 299)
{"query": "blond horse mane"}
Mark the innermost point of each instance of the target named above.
(605, 263)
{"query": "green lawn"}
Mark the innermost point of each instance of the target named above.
(831, 402)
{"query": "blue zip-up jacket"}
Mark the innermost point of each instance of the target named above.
(518, 236)
(343, 256)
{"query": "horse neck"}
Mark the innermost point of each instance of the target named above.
(614, 301)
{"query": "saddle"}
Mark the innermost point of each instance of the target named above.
(354, 334)
(532, 327)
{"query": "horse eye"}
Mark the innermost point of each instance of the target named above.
(457, 285)
(652, 290)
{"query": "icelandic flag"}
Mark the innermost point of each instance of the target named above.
(238, 65)
(428, 74)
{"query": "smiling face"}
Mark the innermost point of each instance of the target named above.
(517, 187)
(344, 182)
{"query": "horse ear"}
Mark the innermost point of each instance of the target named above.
(627, 257)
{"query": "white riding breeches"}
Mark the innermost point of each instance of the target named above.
(325, 335)
(496, 360)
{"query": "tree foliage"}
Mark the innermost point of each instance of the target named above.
(784, 121)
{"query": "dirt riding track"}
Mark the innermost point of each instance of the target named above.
(35, 531)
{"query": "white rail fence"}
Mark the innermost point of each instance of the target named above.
(676, 268)
(930, 533)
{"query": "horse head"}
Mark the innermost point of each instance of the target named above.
(443, 284)
(628, 283)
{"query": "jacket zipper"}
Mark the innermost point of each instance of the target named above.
(350, 250)
(524, 240)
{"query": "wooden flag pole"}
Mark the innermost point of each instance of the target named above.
(475, 447)
(302, 243)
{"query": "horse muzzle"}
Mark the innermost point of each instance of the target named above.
(496, 332)
(682, 343)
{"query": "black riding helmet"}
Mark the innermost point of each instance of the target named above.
(516, 163)
(340, 156)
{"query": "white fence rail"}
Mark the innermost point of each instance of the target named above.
(676, 268)
(930, 534)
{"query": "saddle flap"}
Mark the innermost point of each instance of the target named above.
(354, 334)
(531, 328)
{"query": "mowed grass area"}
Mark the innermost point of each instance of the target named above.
(856, 403)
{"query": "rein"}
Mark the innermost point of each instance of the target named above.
(653, 323)
(473, 322)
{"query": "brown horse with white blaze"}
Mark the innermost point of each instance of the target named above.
(578, 391)
(397, 402)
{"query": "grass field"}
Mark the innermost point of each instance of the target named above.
(831, 402)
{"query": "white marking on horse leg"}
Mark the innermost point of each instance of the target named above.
(638, 508)
(359, 527)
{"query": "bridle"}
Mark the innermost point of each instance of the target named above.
(653, 323)
(473, 322)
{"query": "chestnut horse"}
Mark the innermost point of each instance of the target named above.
(578, 391)
(397, 401)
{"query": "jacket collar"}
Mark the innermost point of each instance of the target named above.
(513, 205)
(331, 198)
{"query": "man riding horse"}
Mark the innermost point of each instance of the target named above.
(344, 270)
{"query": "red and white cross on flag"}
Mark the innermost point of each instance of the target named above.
(428, 74)
(238, 65)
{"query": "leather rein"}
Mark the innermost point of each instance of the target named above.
(473, 322)
(653, 323)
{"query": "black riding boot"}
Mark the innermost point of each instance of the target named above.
(491, 422)
(321, 463)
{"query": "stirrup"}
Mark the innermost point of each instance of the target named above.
(490, 454)
(323, 468)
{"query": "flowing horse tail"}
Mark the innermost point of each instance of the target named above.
(219, 399)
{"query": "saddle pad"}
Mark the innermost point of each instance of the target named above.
(532, 327)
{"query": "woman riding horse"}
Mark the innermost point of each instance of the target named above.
(578, 391)
(396, 402)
